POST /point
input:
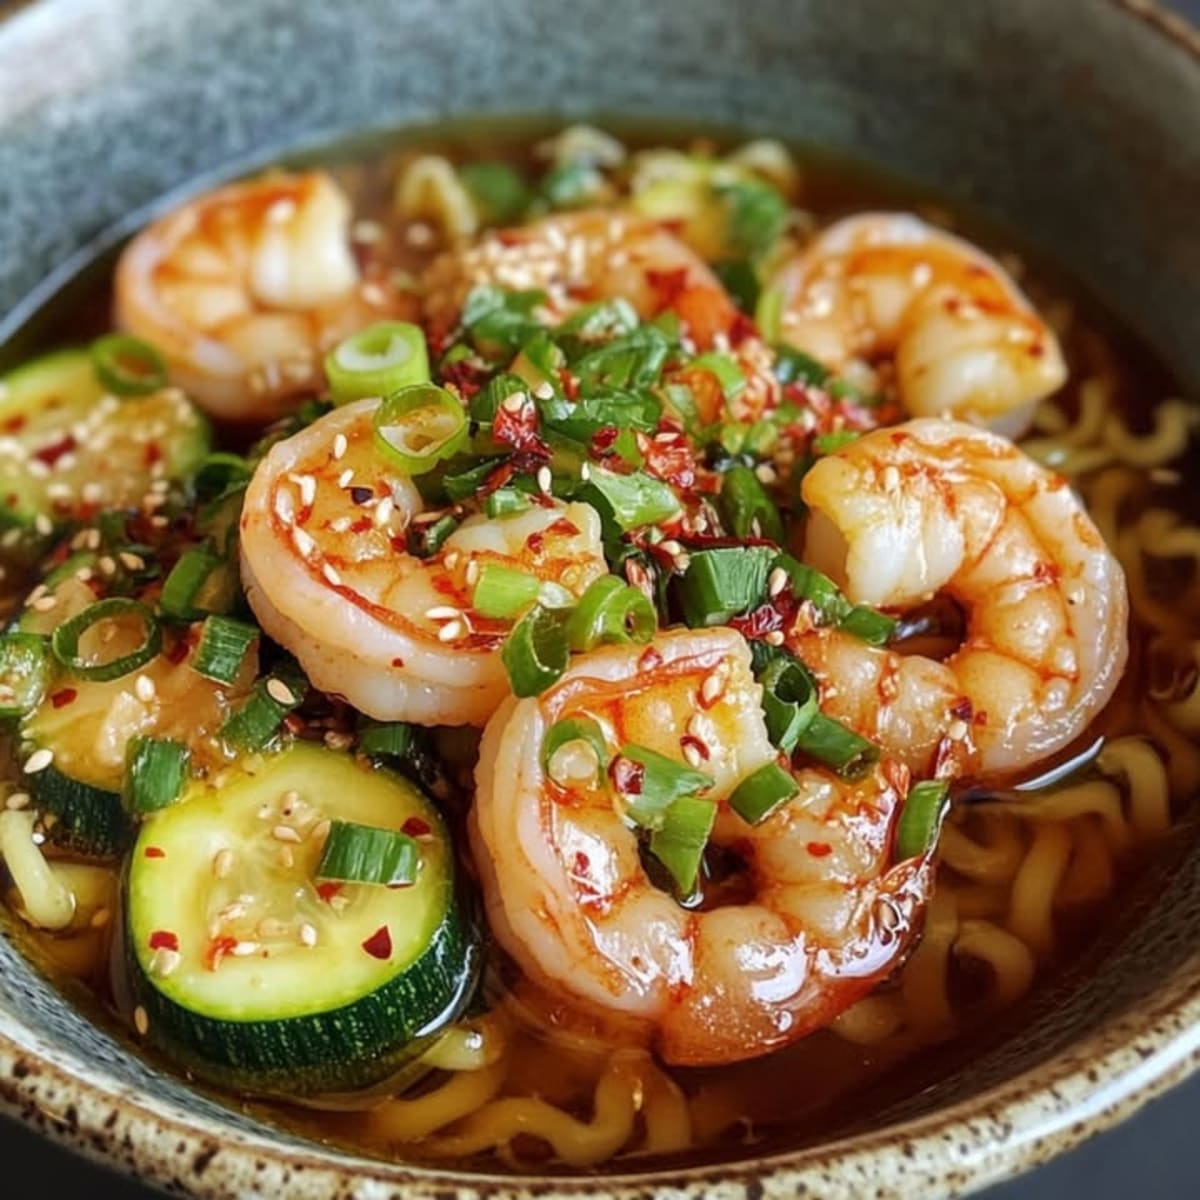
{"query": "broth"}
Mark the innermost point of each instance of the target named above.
(892, 1045)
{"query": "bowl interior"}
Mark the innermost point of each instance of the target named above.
(1077, 125)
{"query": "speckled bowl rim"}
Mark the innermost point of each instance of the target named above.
(994, 1134)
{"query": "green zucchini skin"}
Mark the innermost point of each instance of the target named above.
(84, 820)
(341, 1050)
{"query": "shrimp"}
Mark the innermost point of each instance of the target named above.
(327, 573)
(576, 258)
(818, 914)
(933, 506)
(243, 289)
(966, 342)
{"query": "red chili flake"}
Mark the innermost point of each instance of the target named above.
(766, 618)
(464, 376)
(696, 744)
(177, 652)
(415, 827)
(649, 660)
(627, 775)
(152, 454)
(604, 439)
(55, 450)
(673, 463)
(563, 527)
(962, 709)
(519, 430)
(155, 852)
(741, 328)
(535, 543)
(361, 525)
(669, 285)
(379, 944)
(15, 424)
(163, 939)
(570, 385)
(217, 949)
(819, 849)
(397, 661)
(980, 718)
(63, 697)
(327, 891)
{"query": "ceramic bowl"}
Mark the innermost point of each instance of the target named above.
(1076, 123)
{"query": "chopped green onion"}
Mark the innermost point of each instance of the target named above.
(462, 483)
(794, 366)
(500, 321)
(740, 280)
(762, 792)
(24, 672)
(570, 185)
(155, 772)
(573, 730)
(768, 316)
(746, 508)
(127, 366)
(187, 579)
(832, 743)
(486, 402)
(254, 725)
(831, 443)
(393, 739)
(728, 374)
(649, 783)
(679, 843)
(611, 612)
(921, 818)
(499, 192)
(64, 642)
(377, 361)
(536, 652)
(223, 646)
(631, 361)
(419, 426)
(637, 410)
(724, 581)
(219, 472)
(601, 321)
(756, 215)
(503, 593)
(631, 500)
(789, 701)
(363, 854)
(506, 502)
(424, 541)
(869, 625)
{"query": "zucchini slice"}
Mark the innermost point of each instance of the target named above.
(251, 971)
(68, 449)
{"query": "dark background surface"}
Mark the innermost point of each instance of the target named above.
(1155, 1155)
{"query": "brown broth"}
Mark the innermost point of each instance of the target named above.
(822, 1086)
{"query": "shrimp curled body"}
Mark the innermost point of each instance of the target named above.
(328, 574)
(966, 342)
(828, 916)
(243, 289)
(928, 507)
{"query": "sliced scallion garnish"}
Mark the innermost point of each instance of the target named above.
(393, 739)
(568, 733)
(24, 672)
(254, 725)
(632, 500)
(419, 426)
(649, 783)
(680, 841)
(224, 643)
(503, 593)
(723, 581)
(184, 585)
(869, 625)
(789, 702)
(832, 743)
(377, 361)
(611, 612)
(363, 854)
(536, 652)
(746, 508)
(64, 642)
(499, 192)
(762, 792)
(726, 371)
(921, 818)
(127, 366)
(155, 772)
(506, 502)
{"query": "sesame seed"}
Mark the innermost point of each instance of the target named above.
(100, 918)
(43, 524)
(37, 593)
(39, 760)
(280, 692)
(308, 490)
(281, 210)
(303, 542)
(958, 730)
(890, 478)
(91, 492)
(776, 582)
(765, 473)
(712, 687)
(91, 539)
(107, 565)
(383, 512)
(44, 603)
(339, 446)
(544, 390)
(131, 562)
(692, 754)
(339, 741)
(345, 477)
(513, 403)
(544, 480)
(144, 688)
(222, 863)
(17, 800)
(671, 546)
(331, 575)
(308, 934)
(418, 234)
(141, 1022)
(451, 631)
(245, 949)
(165, 962)
(774, 638)
(443, 612)
(471, 574)
(585, 471)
